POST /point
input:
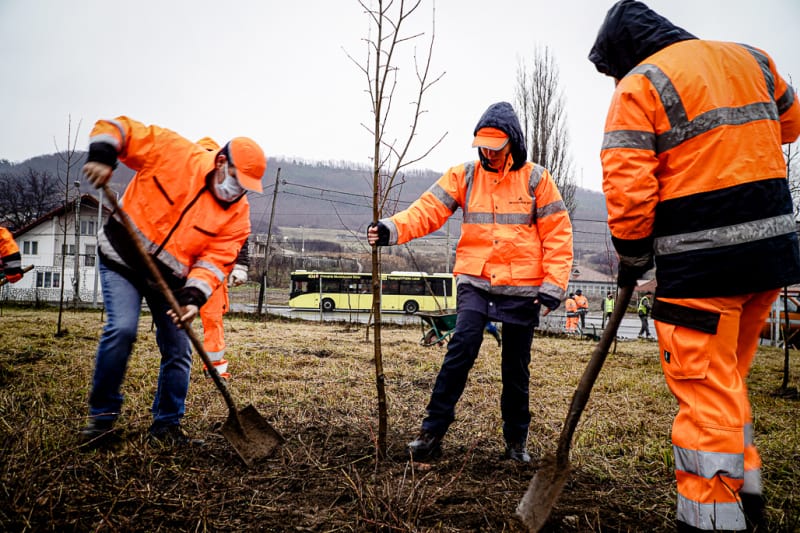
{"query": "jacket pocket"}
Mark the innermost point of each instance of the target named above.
(685, 352)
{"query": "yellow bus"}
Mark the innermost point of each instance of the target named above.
(400, 291)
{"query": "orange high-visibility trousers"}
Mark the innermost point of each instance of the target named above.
(712, 434)
(213, 331)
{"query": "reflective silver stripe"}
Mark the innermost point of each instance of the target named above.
(219, 274)
(204, 287)
(709, 464)
(392, 229)
(553, 290)
(748, 434)
(722, 116)
(711, 516)
(670, 99)
(681, 128)
(14, 263)
(478, 218)
(763, 62)
(552, 208)
(469, 178)
(443, 196)
(216, 357)
(725, 236)
(637, 140)
(786, 100)
(752, 481)
(529, 291)
(536, 176)
(512, 218)
(105, 138)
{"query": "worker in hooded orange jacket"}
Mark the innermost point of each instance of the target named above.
(10, 258)
(514, 255)
(189, 209)
(695, 179)
(583, 306)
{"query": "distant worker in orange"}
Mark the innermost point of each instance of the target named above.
(695, 181)
(571, 307)
(583, 306)
(189, 208)
(10, 258)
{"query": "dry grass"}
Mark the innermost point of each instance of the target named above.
(315, 383)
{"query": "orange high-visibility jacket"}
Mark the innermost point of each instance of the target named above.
(192, 236)
(516, 232)
(693, 169)
(581, 301)
(571, 307)
(9, 251)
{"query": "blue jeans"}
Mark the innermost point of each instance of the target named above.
(122, 297)
(462, 350)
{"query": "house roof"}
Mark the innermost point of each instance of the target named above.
(86, 200)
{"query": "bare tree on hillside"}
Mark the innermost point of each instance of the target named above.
(387, 37)
(540, 105)
(27, 196)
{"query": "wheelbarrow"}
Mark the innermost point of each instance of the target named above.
(436, 327)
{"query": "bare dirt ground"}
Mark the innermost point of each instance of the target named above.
(315, 383)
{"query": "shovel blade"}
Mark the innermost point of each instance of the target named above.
(542, 494)
(251, 435)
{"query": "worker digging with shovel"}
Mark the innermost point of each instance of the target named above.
(188, 208)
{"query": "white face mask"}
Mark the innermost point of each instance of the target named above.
(229, 190)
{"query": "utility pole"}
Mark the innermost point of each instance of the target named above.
(263, 287)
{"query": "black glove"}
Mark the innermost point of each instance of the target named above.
(190, 296)
(550, 302)
(383, 233)
(632, 269)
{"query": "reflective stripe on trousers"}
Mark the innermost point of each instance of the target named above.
(715, 458)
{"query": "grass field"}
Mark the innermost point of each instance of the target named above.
(315, 383)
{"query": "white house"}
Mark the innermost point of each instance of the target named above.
(50, 244)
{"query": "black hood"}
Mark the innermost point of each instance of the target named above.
(631, 33)
(503, 117)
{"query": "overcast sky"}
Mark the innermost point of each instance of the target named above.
(279, 71)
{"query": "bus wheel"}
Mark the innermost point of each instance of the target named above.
(328, 305)
(410, 307)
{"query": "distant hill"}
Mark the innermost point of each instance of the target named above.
(337, 196)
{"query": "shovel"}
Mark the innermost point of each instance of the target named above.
(545, 487)
(248, 432)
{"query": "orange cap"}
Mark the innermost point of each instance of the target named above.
(490, 138)
(248, 159)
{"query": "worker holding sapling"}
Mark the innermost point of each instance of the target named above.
(514, 256)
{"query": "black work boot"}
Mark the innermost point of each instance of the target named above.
(99, 433)
(516, 452)
(425, 447)
(171, 435)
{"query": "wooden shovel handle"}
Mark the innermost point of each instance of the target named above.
(167, 293)
(584, 389)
